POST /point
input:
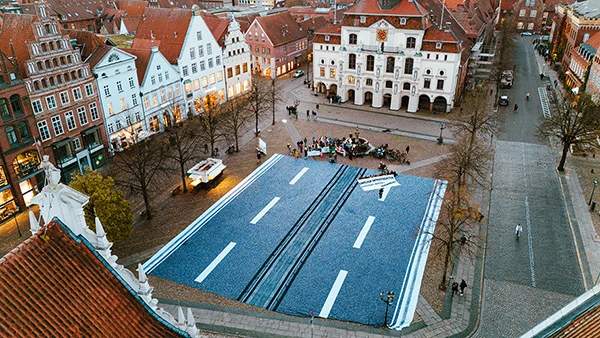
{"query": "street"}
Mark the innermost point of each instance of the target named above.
(528, 279)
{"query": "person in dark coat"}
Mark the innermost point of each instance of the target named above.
(463, 286)
(454, 288)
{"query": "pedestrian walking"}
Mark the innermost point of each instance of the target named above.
(380, 193)
(314, 115)
(295, 154)
(217, 153)
(206, 148)
(518, 230)
(407, 149)
(308, 114)
(454, 288)
(317, 106)
(258, 157)
(463, 286)
(305, 153)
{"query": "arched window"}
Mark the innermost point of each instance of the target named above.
(389, 65)
(51, 45)
(36, 85)
(11, 135)
(352, 61)
(40, 65)
(55, 62)
(406, 86)
(15, 104)
(411, 42)
(51, 79)
(370, 63)
(4, 112)
(47, 64)
(44, 48)
(408, 66)
(352, 39)
(44, 83)
(388, 84)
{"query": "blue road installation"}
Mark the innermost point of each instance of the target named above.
(304, 237)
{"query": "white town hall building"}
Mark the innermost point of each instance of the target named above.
(388, 53)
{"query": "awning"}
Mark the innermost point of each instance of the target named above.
(90, 130)
(61, 142)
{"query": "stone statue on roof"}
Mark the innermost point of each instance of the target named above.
(52, 173)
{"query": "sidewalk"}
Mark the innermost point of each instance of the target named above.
(586, 239)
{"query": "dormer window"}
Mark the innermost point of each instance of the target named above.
(327, 37)
(363, 19)
(438, 45)
(403, 21)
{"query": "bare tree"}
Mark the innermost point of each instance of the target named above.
(275, 97)
(576, 124)
(259, 100)
(210, 122)
(477, 119)
(235, 117)
(184, 144)
(138, 167)
(464, 167)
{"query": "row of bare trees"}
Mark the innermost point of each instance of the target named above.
(464, 169)
(144, 167)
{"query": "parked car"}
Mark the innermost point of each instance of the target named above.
(526, 34)
(299, 73)
(503, 100)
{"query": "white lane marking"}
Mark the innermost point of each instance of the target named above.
(333, 293)
(214, 263)
(363, 233)
(297, 177)
(264, 210)
(528, 219)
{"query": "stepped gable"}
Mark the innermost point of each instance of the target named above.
(167, 27)
(281, 28)
(56, 285)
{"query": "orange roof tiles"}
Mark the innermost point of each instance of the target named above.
(217, 26)
(371, 7)
(97, 55)
(141, 62)
(132, 7)
(55, 285)
(89, 40)
(281, 28)
(16, 31)
(167, 26)
(330, 29)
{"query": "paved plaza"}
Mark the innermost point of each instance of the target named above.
(304, 237)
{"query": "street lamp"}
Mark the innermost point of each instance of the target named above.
(273, 93)
(441, 138)
(593, 189)
(388, 299)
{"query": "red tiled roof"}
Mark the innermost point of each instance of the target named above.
(74, 10)
(281, 28)
(371, 7)
(313, 24)
(15, 33)
(141, 62)
(330, 29)
(507, 4)
(132, 7)
(245, 21)
(411, 22)
(177, 4)
(217, 26)
(89, 40)
(97, 55)
(168, 27)
(54, 285)
(594, 41)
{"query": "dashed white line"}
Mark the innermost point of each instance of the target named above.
(297, 177)
(528, 220)
(363, 233)
(214, 263)
(264, 210)
(333, 293)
